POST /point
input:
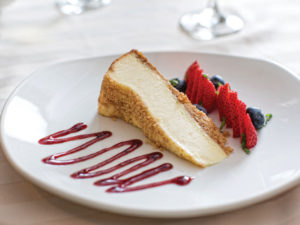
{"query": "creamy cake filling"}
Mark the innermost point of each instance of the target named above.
(172, 116)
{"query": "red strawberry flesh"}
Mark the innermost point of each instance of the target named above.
(250, 132)
(241, 115)
(209, 95)
(233, 105)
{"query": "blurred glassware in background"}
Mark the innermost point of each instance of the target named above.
(210, 22)
(75, 7)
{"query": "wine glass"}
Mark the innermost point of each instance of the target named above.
(210, 22)
(75, 7)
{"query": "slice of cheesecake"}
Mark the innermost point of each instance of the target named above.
(133, 90)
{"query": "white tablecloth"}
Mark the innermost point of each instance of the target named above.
(33, 34)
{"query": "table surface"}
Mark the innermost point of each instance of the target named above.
(33, 34)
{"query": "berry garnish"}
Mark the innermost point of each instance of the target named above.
(257, 117)
(190, 77)
(227, 111)
(201, 108)
(241, 112)
(222, 99)
(250, 132)
(209, 94)
(233, 105)
(196, 84)
(200, 88)
(191, 69)
(217, 81)
(180, 85)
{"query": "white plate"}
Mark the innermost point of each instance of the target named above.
(56, 97)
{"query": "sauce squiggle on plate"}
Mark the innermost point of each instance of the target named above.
(118, 185)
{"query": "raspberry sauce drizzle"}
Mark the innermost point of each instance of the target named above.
(121, 185)
(54, 138)
(149, 158)
(181, 180)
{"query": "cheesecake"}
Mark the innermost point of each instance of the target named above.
(133, 90)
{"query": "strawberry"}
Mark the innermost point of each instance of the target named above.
(233, 106)
(201, 90)
(250, 132)
(190, 77)
(189, 84)
(199, 99)
(191, 69)
(209, 94)
(226, 110)
(241, 115)
(196, 85)
(222, 99)
(217, 100)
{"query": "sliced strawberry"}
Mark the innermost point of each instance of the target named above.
(227, 112)
(225, 105)
(209, 95)
(201, 90)
(220, 102)
(191, 69)
(190, 77)
(199, 99)
(196, 85)
(250, 132)
(241, 115)
(233, 106)
(189, 84)
(201, 87)
(221, 99)
(217, 101)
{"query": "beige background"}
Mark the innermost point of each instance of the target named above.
(33, 34)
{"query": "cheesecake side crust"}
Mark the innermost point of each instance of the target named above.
(117, 100)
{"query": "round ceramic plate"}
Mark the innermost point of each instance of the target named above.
(57, 97)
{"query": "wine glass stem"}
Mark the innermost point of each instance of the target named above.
(214, 5)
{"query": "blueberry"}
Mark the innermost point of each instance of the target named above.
(257, 117)
(216, 80)
(180, 85)
(201, 108)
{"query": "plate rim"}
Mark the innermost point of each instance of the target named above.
(196, 212)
